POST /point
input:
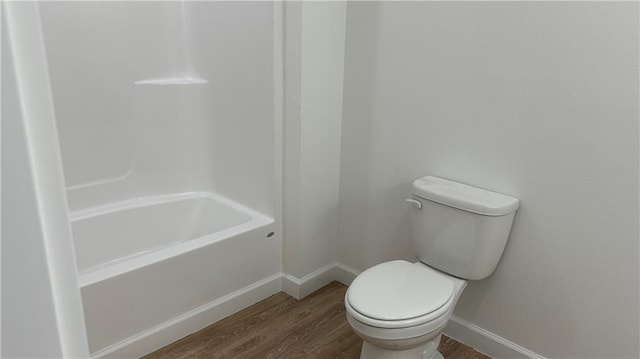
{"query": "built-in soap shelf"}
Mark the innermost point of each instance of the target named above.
(173, 81)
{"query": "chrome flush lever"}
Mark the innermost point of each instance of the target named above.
(414, 202)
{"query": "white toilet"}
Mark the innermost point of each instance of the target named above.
(399, 308)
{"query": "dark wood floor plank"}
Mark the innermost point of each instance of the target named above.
(281, 327)
(291, 327)
(225, 332)
(303, 338)
(450, 348)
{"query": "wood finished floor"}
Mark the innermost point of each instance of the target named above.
(283, 327)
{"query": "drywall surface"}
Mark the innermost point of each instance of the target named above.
(535, 100)
(163, 97)
(314, 62)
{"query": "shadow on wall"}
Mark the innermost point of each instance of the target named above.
(356, 163)
(402, 243)
(478, 302)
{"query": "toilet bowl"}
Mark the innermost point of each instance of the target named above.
(399, 309)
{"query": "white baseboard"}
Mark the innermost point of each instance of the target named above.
(345, 274)
(485, 341)
(302, 287)
(168, 332)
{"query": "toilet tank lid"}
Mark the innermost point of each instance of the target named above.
(464, 197)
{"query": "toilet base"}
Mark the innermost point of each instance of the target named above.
(427, 351)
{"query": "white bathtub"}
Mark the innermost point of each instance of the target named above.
(147, 262)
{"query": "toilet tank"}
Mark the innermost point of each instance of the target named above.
(460, 229)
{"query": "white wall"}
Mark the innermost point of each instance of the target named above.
(535, 100)
(314, 60)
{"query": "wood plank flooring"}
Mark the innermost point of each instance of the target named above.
(283, 327)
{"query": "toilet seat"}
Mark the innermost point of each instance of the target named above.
(398, 324)
(399, 294)
(379, 331)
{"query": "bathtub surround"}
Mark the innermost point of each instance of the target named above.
(170, 149)
(120, 140)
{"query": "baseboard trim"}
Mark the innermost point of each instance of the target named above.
(302, 287)
(485, 341)
(345, 274)
(168, 332)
